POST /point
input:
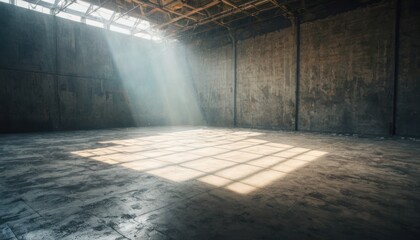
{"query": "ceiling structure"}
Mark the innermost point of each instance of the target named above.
(182, 18)
(194, 18)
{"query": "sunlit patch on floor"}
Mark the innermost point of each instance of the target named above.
(238, 161)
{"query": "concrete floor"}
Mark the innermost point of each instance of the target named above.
(207, 183)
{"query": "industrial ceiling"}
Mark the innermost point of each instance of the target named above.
(195, 18)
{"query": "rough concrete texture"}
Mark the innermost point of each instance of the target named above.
(346, 76)
(28, 101)
(27, 40)
(266, 80)
(92, 103)
(408, 95)
(212, 75)
(83, 50)
(58, 74)
(195, 183)
(68, 75)
(50, 79)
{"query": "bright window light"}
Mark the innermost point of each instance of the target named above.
(126, 21)
(143, 25)
(156, 38)
(79, 6)
(118, 29)
(39, 8)
(105, 13)
(143, 35)
(21, 3)
(76, 10)
(94, 23)
(68, 16)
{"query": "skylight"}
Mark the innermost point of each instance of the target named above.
(79, 6)
(93, 15)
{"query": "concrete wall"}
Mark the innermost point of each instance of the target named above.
(408, 94)
(49, 78)
(58, 74)
(212, 74)
(266, 81)
(346, 74)
(28, 101)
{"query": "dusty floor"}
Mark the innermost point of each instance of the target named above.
(207, 183)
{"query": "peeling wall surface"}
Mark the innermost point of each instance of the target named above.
(408, 88)
(266, 81)
(346, 72)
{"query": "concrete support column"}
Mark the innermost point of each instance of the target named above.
(393, 129)
(57, 125)
(234, 59)
(296, 26)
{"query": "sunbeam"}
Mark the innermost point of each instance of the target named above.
(157, 81)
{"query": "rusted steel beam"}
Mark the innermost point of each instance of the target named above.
(125, 13)
(225, 14)
(227, 2)
(236, 27)
(161, 8)
(201, 13)
(214, 3)
(287, 13)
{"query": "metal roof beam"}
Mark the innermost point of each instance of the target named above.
(214, 3)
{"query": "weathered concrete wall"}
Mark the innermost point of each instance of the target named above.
(92, 103)
(266, 80)
(91, 92)
(408, 94)
(27, 40)
(58, 74)
(83, 50)
(27, 63)
(346, 78)
(346, 74)
(27, 101)
(212, 74)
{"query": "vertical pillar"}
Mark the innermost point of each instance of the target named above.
(393, 129)
(56, 73)
(296, 25)
(234, 59)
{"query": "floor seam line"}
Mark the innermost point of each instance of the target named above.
(14, 234)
